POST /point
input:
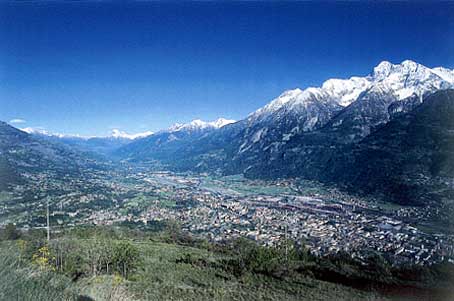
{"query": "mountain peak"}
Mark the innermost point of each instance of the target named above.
(198, 124)
(383, 67)
(278, 102)
(409, 63)
(41, 131)
(410, 79)
(116, 133)
(220, 122)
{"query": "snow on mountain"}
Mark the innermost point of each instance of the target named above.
(168, 144)
(220, 122)
(393, 89)
(198, 124)
(277, 103)
(445, 73)
(410, 79)
(346, 90)
(403, 80)
(43, 132)
(117, 134)
(339, 92)
(349, 108)
(301, 131)
(121, 134)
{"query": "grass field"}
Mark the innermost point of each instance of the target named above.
(164, 275)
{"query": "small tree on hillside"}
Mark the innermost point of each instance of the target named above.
(126, 258)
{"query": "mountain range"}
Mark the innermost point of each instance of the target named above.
(100, 145)
(387, 133)
(165, 144)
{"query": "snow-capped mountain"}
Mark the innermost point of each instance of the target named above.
(325, 133)
(43, 132)
(167, 143)
(115, 133)
(409, 79)
(310, 125)
(353, 106)
(198, 124)
(349, 107)
(393, 89)
(339, 92)
(103, 145)
(121, 134)
(407, 160)
(403, 80)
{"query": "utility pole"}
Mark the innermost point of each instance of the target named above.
(48, 222)
(286, 236)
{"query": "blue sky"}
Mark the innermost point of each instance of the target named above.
(88, 67)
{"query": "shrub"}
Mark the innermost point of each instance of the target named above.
(125, 258)
(44, 259)
(10, 232)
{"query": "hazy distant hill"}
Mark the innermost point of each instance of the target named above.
(23, 153)
(166, 145)
(99, 145)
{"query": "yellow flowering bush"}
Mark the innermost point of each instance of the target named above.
(44, 259)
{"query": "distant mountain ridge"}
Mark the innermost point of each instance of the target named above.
(115, 134)
(101, 145)
(197, 124)
(24, 156)
(163, 144)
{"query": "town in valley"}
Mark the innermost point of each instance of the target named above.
(220, 208)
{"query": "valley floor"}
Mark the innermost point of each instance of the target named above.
(326, 219)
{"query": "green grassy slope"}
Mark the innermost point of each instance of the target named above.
(20, 281)
(117, 263)
(164, 275)
(167, 276)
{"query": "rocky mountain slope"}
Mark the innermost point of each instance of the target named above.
(411, 158)
(408, 160)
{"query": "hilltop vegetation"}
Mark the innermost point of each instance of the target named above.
(93, 263)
